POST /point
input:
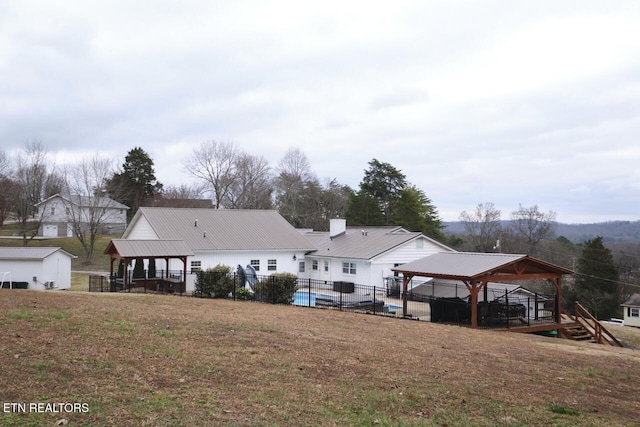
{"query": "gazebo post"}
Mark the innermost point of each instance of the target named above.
(405, 286)
(473, 291)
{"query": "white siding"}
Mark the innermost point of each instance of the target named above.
(142, 230)
(628, 320)
(55, 268)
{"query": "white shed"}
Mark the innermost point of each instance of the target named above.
(35, 268)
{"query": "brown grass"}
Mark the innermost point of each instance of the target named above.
(162, 360)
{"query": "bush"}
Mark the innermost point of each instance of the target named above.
(277, 288)
(244, 294)
(214, 283)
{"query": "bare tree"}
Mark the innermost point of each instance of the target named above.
(88, 210)
(531, 226)
(32, 176)
(483, 227)
(251, 186)
(295, 184)
(214, 162)
(182, 196)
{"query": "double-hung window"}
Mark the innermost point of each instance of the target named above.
(348, 267)
(272, 265)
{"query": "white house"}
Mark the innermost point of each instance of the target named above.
(631, 309)
(35, 268)
(260, 238)
(364, 255)
(57, 215)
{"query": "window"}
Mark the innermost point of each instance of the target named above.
(272, 265)
(53, 211)
(196, 265)
(68, 209)
(634, 312)
(255, 263)
(314, 265)
(301, 267)
(326, 266)
(349, 267)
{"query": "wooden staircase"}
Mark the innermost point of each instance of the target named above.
(582, 326)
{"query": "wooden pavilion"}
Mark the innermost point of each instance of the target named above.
(128, 250)
(476, 270)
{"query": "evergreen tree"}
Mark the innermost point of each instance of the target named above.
(596, 282)
(385, 184)
(136, 184)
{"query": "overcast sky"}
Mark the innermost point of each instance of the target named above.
(509, 102)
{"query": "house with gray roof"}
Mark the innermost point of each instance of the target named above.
(260, 238)
(59, 214)
(35, 267)
(364, 255)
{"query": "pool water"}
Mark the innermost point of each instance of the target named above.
(302, 298)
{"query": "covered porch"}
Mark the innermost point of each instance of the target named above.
(477, 270)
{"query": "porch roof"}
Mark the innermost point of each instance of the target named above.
(123, 248)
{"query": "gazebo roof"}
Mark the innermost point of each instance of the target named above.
(124, 248)
(474, 266)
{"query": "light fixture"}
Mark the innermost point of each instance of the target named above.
(294, 257)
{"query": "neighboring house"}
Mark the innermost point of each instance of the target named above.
(260, 238)
(35, 268)
(364, 255)
(631, 309)
(58, 213)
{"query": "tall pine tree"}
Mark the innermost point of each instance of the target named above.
(596, 281)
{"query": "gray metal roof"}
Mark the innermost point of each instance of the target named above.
(363, 243)
(148, 248)
(29, 253)
(87, 201)
(223, 229)
(471, 265)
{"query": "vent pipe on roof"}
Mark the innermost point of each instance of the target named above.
(195, 224)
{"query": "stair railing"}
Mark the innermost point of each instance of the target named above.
(600, 333)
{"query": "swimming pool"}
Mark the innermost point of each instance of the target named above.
(305, 299)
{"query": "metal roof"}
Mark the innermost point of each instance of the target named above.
(223, 229)
(87, 201)
(29, 253)
(363, 243)
(473, 265)
(148, 248)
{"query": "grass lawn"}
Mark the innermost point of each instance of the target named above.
(99, 262)
(135, 359)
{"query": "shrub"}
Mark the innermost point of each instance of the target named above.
(214, 283)
(138, 269)
(244, 294)
(277, 288)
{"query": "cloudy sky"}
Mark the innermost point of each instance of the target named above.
(509, 102)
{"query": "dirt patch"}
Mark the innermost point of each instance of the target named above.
(138, 359)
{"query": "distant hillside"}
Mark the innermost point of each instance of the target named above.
(612, 231)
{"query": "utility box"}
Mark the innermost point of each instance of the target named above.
(344, 287)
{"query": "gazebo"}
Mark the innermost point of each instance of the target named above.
(475, 270)
(128, 250)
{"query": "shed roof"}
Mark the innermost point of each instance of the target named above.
(363, 243)
(122, 248)
(223, 229)
(474, 265)
(29, 253)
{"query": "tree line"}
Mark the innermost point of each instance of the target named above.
(228, 178)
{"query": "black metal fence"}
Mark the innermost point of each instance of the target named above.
(503, 307)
